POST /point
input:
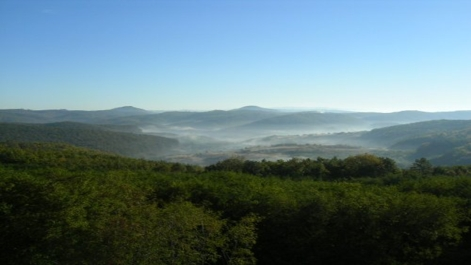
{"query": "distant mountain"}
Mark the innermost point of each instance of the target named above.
(254, 108)
(48, 116)
(247, 121)
(210, 120)
(91, 136)
(128, 110)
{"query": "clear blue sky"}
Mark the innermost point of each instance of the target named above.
(378, 55)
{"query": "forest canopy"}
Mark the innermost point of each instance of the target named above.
(61, 204)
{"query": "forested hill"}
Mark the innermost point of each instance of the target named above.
(304, 121)
(100, 137)
(61, 204)
(49, 116)
(394, 134)
(444, 142)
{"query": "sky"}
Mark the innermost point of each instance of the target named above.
(358, 55)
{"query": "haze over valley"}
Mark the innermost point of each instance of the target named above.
(250, 132)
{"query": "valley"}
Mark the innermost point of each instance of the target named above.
(252, 133)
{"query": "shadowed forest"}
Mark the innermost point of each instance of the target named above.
(61, 204)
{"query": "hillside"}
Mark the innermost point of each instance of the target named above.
(48, 116)
(209, 120)
(444, 142)
(395, 135)
(91, 136)
(307, 122)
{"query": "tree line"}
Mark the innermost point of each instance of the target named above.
(336, 169)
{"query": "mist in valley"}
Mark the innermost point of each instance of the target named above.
(253, 134)
(250, 133)
(205, 147)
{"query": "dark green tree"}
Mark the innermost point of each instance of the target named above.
(422, 166)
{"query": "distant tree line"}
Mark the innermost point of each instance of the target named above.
(335, 169)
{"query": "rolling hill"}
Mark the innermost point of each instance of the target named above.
(442, 137)
(89, 136)
(443, 142)
(248, 119)
(395, 135)
(305, 121)
(49, 116)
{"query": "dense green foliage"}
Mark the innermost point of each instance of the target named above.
(365, 165)
(66, 205)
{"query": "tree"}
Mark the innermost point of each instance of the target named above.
(234, 164)
(422, 166)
